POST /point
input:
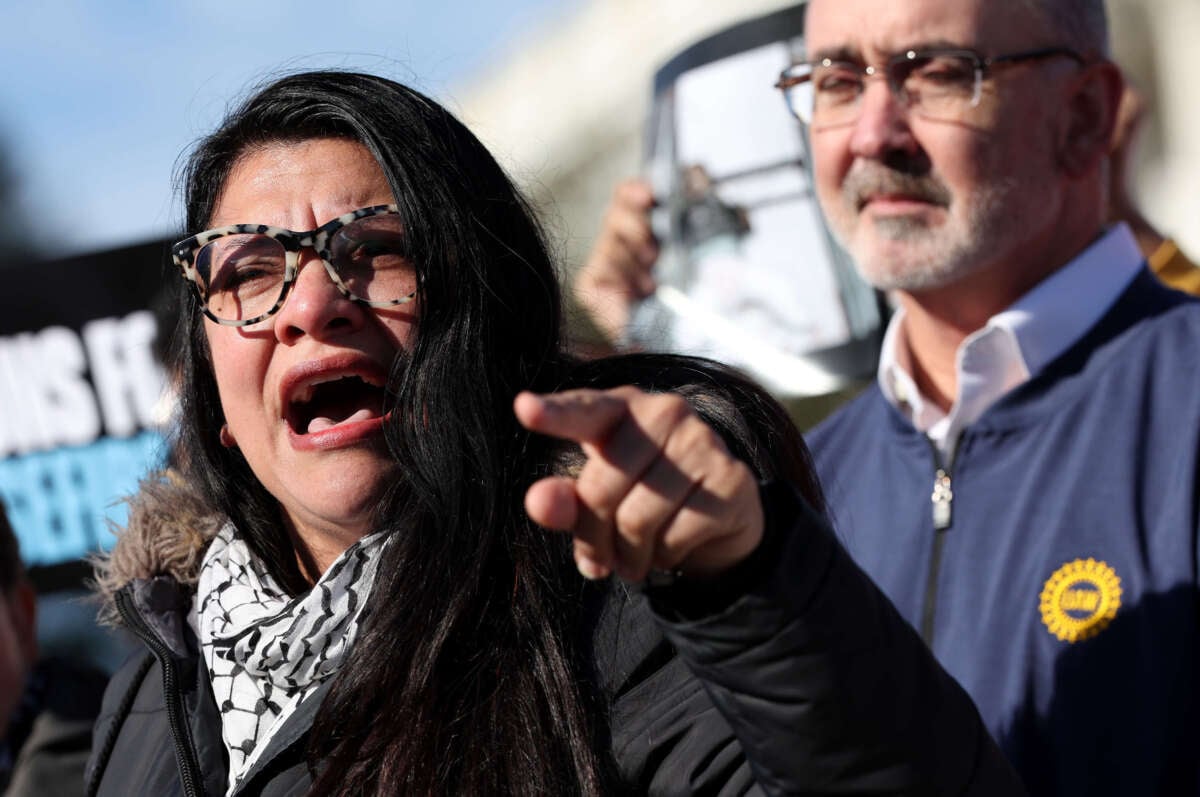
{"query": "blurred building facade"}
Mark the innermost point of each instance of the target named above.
(565, 110)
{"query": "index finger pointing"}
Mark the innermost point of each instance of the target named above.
(585, 416)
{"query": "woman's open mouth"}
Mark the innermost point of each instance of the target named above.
(329, 405)
(347, 399)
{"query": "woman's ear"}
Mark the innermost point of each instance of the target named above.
(1090, 117)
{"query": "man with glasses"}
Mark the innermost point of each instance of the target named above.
(1022, 479)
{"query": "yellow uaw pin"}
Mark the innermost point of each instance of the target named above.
(1080, 599)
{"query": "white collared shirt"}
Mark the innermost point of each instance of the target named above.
(1014, 344)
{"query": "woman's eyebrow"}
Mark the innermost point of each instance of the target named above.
(245, 244)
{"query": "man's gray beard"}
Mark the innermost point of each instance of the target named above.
(946, 254)
(934, 265)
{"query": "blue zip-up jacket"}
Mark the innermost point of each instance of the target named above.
(1061, 589)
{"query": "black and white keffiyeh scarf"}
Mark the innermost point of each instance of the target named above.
(265, 650)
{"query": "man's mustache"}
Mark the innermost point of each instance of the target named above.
(866, 180)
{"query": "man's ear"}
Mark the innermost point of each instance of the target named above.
(22, 604)
(1090, 117)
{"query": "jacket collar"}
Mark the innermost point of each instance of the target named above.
(169, 530)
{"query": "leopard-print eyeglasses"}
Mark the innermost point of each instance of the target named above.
(242, 272)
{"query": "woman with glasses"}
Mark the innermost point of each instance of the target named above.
(414, 548)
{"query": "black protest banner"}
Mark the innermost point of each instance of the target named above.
(81, 395)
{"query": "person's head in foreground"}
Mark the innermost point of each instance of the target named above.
(959, 147)
(18, 637)
(368, 295)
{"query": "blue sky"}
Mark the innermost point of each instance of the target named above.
(99, 98)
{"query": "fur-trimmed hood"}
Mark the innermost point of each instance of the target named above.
(169, 530)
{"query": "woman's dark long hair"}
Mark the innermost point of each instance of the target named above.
(471, 687)
(472, 673)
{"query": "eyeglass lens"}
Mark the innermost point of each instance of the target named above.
(242, 276)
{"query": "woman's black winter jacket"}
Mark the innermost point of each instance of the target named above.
(793, 676)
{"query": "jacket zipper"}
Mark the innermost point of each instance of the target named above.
(942, 500)
(185, 752)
